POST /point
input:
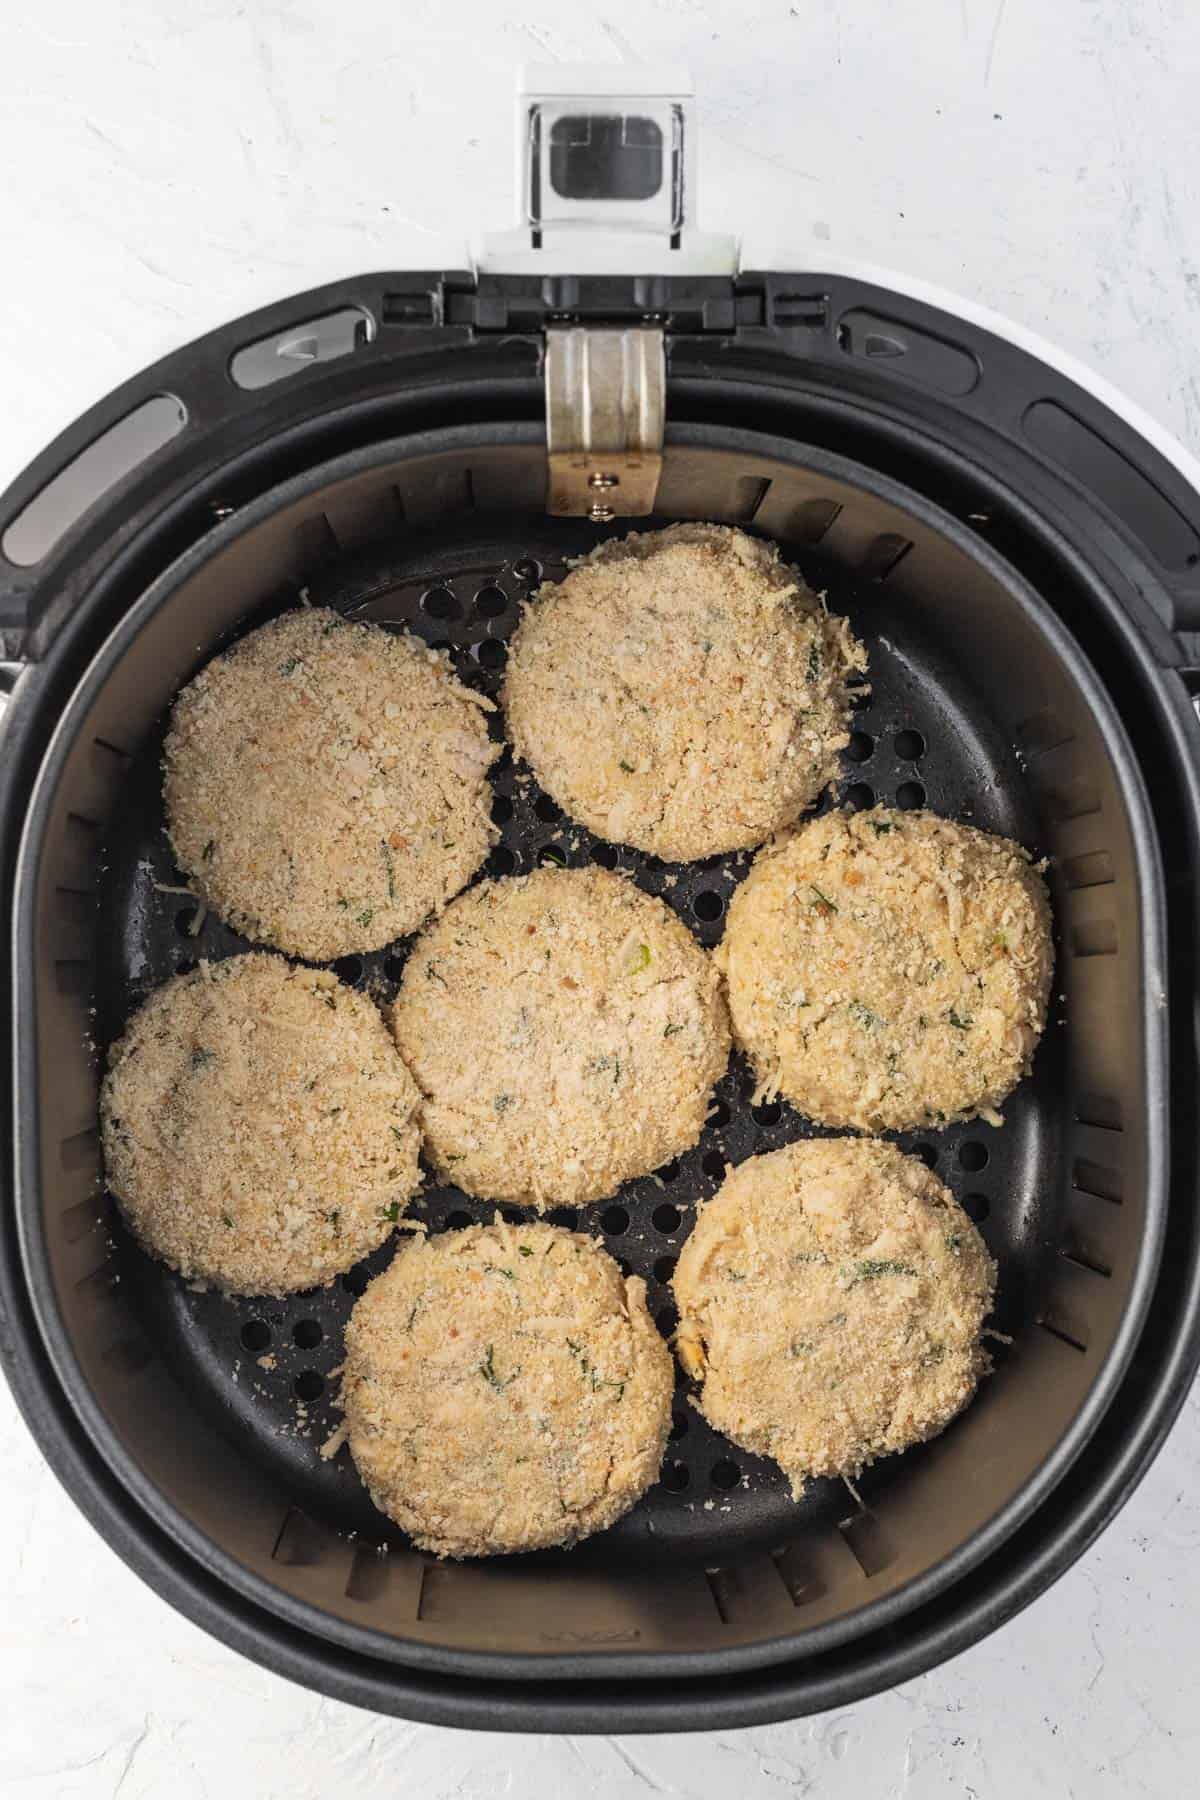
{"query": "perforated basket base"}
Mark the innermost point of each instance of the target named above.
(264, 1370)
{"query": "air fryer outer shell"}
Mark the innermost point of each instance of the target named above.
(805, 381)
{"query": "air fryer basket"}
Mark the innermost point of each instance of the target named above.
(199, 1418)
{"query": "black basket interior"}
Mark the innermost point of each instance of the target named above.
(217, 1408)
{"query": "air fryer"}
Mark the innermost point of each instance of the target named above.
(422, 450)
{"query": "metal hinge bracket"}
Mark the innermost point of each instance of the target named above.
(605, 412)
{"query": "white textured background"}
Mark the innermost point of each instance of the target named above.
(171, 163)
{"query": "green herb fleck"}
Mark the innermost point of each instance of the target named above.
(866, 1018)
(290, 666)
(502, 1102)
(206, 853)
(390, 867)
(391, 1213)
(202, 1057)
(524, 1250)
(227, 1221)
(935, 1354)
(366, 915)
(809, 1256)
(643, 959)
(671, 1030)
(734, 1275)
(814, 660)
(954, 1241)
(487, 1367)
(554, 853)
(873, 1267)
(599, 1065)
(334, 1218)
(397, 1132)
(496, 1269)
(822, 901)
(959, 1024)
(627, 766)
(881, 827)
(431, 974)
(598, 1382)
(800, 1346)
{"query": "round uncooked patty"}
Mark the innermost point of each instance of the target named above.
(682, 691)
(505, 1389)
(831, 1299)
(889, 969)
(565, 1031)
(259, 1128)
(326, 784)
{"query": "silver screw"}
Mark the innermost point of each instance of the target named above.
(600, 514)
(599, 480)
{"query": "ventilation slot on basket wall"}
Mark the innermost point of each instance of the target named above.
(1065, 1335)
(1073, 799)
(1074, 1253)
(750, 492)
(720, 1586)
(81, 1151)
(866, 1541)
(78, 1220)
(1094, 1178)
(300, 1543)
(1093, 870)
(316, 543)
(1041, 732)
(72, 976)
(366, 516)
(1094, 937)
(100, 1286)
(798, 1577)
(884, 553)
(810, 522)
(1101, 1110)
(368, 1577)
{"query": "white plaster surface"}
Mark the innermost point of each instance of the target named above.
(171, 163)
